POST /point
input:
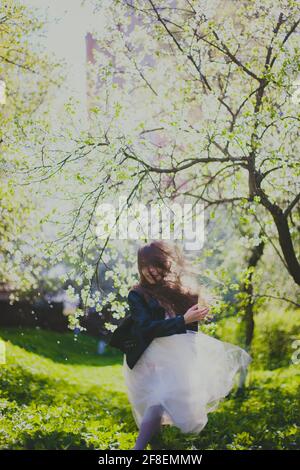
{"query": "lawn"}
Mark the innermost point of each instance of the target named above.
(56, 392)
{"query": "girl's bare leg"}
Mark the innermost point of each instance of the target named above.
(150, 424)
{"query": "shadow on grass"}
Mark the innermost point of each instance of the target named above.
(64, 348)
(25, 388)
(46, 413)
(264, 417)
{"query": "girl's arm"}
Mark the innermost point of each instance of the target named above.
(146, 326)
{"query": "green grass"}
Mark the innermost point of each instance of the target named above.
(57, 393)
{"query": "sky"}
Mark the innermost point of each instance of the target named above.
(63, 36)
(67, 22)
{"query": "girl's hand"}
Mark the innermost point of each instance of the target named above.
(195, 313)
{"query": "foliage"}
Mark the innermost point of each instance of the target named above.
(57, 393)
(192, 114)
(30, 77)
(274, 338)
(193, 107)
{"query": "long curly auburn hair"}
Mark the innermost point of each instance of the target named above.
(170, 291)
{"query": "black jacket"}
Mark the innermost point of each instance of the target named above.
(149, 322)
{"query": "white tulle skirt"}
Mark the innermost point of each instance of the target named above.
(187, 373)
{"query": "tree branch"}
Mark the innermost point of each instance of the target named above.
(292, 205)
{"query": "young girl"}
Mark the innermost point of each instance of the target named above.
(182, 374)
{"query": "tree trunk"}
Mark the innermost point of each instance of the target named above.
(247, 288)
(284, 235)
(286, 245)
